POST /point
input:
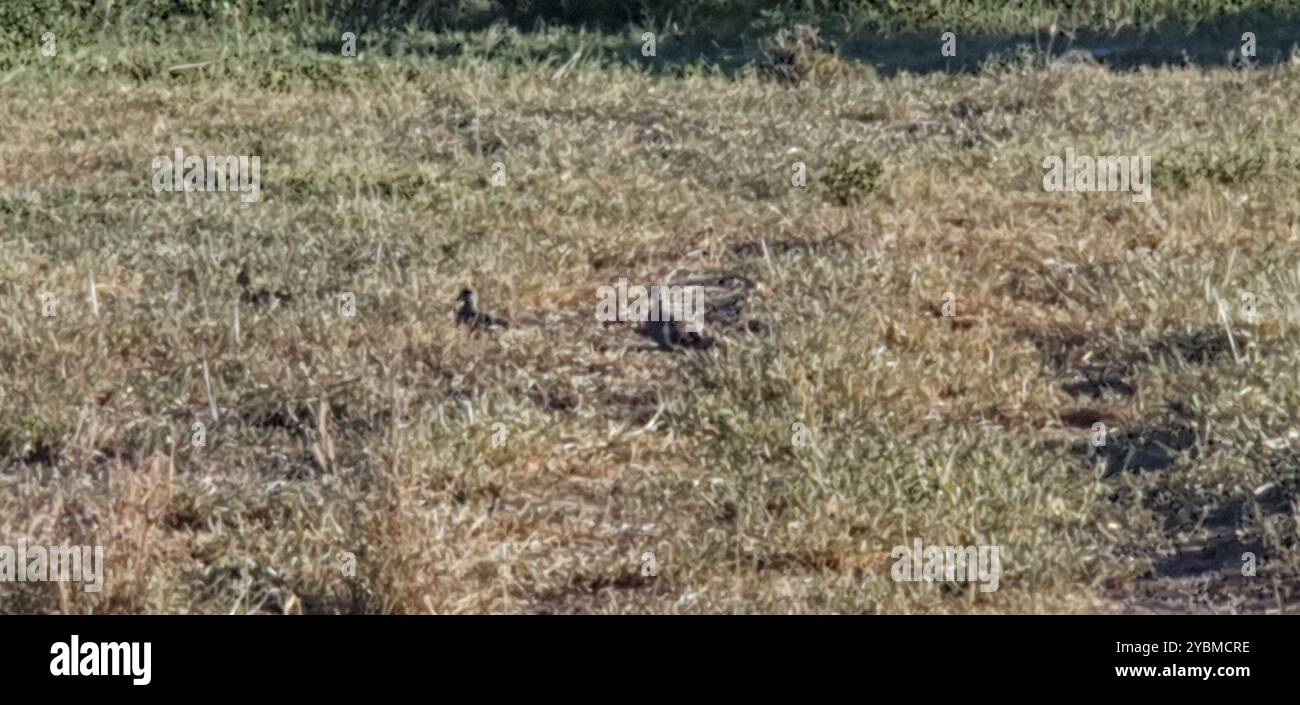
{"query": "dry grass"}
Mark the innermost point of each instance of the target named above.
(354, 434)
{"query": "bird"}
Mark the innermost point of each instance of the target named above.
(720, 309)
(469, 315)
(260, 295)
(672, 334)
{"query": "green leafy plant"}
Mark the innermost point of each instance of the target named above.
(850, 178)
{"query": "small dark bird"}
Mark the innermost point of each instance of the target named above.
(671, 334)
(469, 315)
(261, 295)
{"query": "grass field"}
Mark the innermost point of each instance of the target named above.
(533, 469)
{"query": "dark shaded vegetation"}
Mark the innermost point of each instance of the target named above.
(892, 35)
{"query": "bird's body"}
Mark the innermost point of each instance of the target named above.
(470, 315)
(672, 334)
(720, 311)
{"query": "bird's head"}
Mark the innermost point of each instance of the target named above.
(466, 296)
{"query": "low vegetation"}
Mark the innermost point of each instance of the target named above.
(533, 469)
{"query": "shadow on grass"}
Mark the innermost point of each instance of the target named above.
(729, 45)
